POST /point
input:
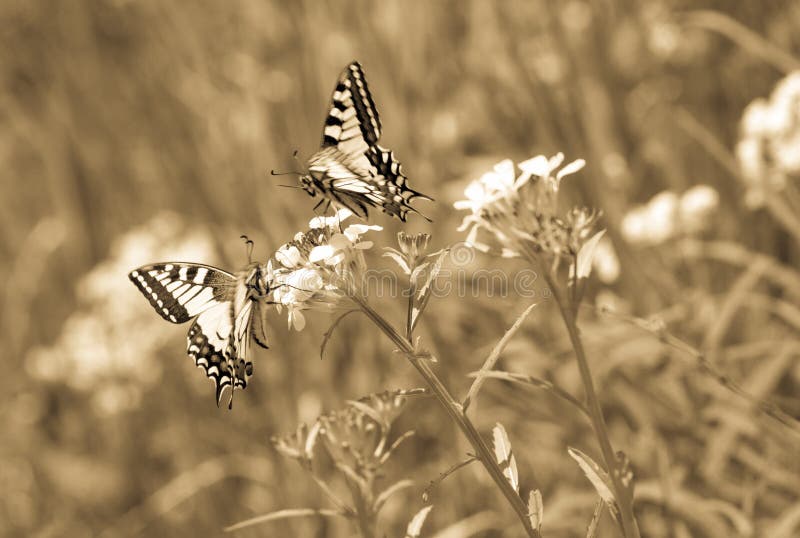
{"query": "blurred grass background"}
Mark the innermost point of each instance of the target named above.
(163, 120)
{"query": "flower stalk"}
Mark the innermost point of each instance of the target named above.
(621, 492)
(455, 411)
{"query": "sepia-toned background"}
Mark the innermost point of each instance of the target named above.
(136, 131)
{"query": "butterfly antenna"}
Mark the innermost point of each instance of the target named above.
(249, 246)
(287, 173)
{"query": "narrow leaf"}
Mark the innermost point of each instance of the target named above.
(504, 455)
(398, 258)
(493, 357)
(525, 379)
(283, 514)
(415, 526)
(591, 530)
(329, 332)
(598, 477)
(388, 492)
(583, 263)
(535, 509)
(453, 468)
(423, 293)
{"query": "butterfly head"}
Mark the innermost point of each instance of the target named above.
(309, 184)
(258, 281)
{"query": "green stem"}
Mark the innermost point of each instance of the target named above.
(456, 413)
(621, 493)
(365, 517)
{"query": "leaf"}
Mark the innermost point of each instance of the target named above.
(491, 360)
(505, 457)
(388, 492)
(311, 440)
(525, 379)
(283, 514)
(370, 412)
(397, 442)
(423, 292)
(415, 526)
(398, 258)
(453, 468)
(598, 477)
(330, 330)
(535, 509)
(591, 530)
(583, 263)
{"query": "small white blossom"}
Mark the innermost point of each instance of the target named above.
(768, 150)
(521, 212)
(319, 267)
(489, 188)
(696, 206)
(668, 215)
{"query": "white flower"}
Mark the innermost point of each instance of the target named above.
(769, 148)
(489, 188)
(330, 222)
(288, 256)
(521, 213)
(696, 206)
(319, 267)
(653, 223)
(662, 212)
(634, 225)
(542, 167)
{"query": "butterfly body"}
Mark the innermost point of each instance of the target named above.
(227, 310)
(351, 170)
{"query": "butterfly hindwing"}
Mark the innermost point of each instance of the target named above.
(209, 343)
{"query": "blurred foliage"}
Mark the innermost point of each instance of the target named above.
(116, 113)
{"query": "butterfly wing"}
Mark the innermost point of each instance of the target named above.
(181, 291)
(218, 340)
(351, 168)
(209, 345)
(353, 123)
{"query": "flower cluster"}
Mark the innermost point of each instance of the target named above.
(356, 438)
(769, 146)
(319, 268)
(521, 211)
(668, 215)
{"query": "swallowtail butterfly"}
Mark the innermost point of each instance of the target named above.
(228, 312)
(351, 169)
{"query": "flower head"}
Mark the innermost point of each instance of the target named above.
(413, 251)
(319, 267)
(357, 436)
(669, 214)
(521, 212)
(298, 445)
(768, 150)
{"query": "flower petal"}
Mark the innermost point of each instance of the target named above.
(571, 168)
(320, 253)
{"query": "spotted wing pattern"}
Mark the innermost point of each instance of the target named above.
(218, 339)
(351, 169)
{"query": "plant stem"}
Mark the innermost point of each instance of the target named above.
(456, 413)
(621, 493)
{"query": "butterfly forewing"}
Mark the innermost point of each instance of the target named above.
(181, 291)
(353, 123)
